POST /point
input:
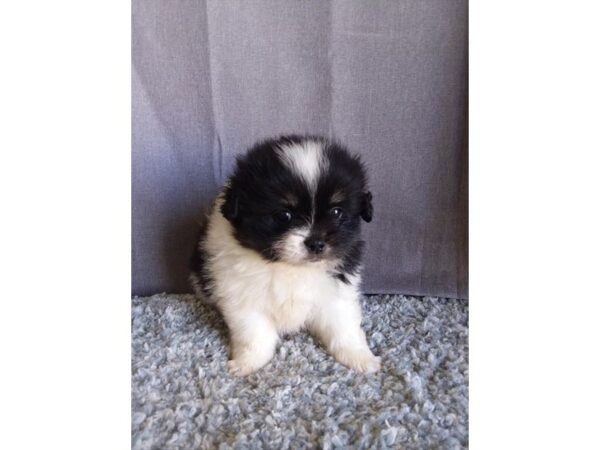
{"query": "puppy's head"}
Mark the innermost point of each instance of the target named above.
(298, 200)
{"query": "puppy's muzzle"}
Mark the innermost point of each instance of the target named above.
(315, 245)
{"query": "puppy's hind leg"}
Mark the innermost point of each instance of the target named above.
(253, 341)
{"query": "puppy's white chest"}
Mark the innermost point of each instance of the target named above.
(295, 294)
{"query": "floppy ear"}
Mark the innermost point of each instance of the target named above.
(366, 207)
(229, 208)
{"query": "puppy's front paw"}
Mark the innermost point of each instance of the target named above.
(240, 368)
(360, 360)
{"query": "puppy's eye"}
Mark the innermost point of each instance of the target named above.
(336, 212)
(283, 216)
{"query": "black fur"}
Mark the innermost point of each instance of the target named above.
(197, 263)
(350, 263)
(256, 203)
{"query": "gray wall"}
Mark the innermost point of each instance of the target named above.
(388, 79)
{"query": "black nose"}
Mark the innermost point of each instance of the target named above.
(315, 245)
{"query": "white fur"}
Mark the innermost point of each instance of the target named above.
(307, 160)
(291, 247)
(260, 300)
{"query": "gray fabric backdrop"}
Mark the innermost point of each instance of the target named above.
(389, 79)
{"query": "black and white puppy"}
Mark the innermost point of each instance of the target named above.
(281, 251)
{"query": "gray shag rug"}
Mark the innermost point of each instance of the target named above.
(184, 398)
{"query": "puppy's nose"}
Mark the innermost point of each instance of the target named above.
(315, 245)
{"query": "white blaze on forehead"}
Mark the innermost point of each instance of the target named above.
(306, 159)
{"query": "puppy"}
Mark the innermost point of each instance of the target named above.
(281, 251)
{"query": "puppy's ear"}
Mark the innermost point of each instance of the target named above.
(366, 207)
(229, 208)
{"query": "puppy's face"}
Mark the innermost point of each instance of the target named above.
(298, 200)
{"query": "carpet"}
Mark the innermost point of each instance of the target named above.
(183, 397)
